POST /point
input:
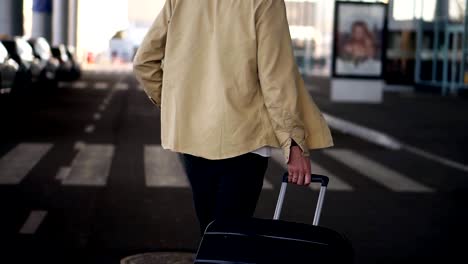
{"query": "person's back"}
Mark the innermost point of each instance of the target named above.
(230, 79)
(224, 74)
(211, 56)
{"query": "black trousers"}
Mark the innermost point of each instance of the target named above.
(226, 188)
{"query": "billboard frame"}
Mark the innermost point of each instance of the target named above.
(383, 40)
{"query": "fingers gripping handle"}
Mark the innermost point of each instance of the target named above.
(315, 178)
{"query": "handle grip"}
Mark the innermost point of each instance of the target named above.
(315, 178)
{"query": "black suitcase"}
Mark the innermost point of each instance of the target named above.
(256, 240)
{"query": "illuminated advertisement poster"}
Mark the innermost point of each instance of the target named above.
(359, 38)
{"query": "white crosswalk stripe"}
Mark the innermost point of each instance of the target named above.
(79, 145)
(17, 163)
(33, 222)
(89, 129)
(63, 85)
(97, 116)
(63, 173)
(379, 173)
(163, 168)
(335, 184)
(121, 86)
(91, 166)
(79, 85)
(101, 85)
(267, 185)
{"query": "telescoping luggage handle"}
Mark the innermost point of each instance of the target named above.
(314, 179)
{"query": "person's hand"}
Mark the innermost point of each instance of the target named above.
(298, 167)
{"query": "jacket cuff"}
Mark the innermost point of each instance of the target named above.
(287, 148)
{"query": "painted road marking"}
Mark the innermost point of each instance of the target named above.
(101, 85)
(33, 222)
(102, 107)
(79, 85)
(62, 84)
(121, 86)
(107, 99)
(63, 173)
(362, 132)
(387, 141)
(17, 163)
(79, 145)
(379, 173)
(267, 185)
(90, 129)
(436, 158)
(335, 184)
(163, 168)
(97, 116)
(91, 166)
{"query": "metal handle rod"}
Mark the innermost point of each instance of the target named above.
(315, 178)
(279, 204)
(318, 210)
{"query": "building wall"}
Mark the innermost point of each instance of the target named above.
(144, 11)
(98, 21)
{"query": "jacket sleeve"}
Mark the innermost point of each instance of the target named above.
(147, 64)
(279, 76)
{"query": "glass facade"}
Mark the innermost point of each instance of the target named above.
(311, 27)
(402, 36)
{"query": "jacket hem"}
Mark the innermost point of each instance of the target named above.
(242, 151)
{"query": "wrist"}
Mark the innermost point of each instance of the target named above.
(296, 149)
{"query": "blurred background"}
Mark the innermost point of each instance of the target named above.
(83, 176)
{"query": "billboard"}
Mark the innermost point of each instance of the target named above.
(359, 40)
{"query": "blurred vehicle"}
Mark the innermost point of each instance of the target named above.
(48, 64)
(76, 69)
(69, 69)
(29, 70)
(8, 70)
(65, 67)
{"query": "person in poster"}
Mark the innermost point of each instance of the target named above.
(361, 45)
(358, 47)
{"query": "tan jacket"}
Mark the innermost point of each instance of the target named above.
(224, 75)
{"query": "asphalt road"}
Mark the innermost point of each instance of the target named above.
(83, 179)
